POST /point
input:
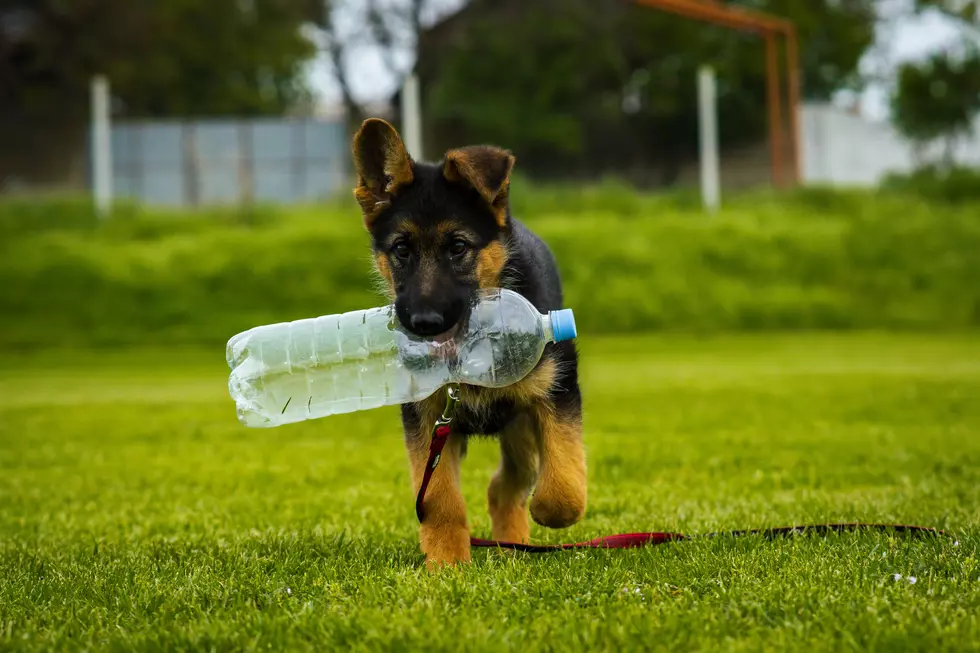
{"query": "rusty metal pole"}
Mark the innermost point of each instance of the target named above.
(793, 74)
(770, 27)
(773, 103)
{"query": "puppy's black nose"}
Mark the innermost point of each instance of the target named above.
(428, 323)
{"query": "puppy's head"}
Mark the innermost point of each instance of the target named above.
(436, 229)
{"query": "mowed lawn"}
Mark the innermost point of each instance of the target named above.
(136, 513)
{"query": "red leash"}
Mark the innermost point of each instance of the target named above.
(440, 436)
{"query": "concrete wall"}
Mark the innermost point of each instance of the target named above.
(842, 149)
(289, 160)
(184, 163)
(207, 162)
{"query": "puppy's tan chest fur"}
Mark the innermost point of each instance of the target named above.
(534, 389)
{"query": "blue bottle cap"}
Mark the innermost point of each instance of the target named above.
(563, 324)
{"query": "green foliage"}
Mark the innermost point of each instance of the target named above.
(631, 263)
(591, 83)
(530, 82)
(137, 514)
(174, 58)
(939, 97)
(956, 185)
(967, 11)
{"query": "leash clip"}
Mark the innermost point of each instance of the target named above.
(449, 412)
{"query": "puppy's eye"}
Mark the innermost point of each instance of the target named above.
(458, 247)
(401, 250)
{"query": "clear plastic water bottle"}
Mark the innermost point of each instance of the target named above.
(294, 371)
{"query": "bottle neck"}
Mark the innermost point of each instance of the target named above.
(548, 326)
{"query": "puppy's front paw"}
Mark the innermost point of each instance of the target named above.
(445, 546)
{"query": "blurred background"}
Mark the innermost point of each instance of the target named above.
(177, 171)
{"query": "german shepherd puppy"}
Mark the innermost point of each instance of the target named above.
(439, 232)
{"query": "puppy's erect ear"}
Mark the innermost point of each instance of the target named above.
(382, 164)
(487, 170)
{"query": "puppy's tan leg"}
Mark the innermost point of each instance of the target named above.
(560, 497)
(444, 534)
(511, 484)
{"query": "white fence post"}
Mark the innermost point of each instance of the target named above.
(708, 139)
(412, 117)
(101, 146)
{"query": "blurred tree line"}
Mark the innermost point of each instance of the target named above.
(939, 98)
(607, 84)
(167, 58)
(164, 59)
(570, 85)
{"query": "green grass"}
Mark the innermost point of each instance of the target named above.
(135, 513)
(630, 263)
